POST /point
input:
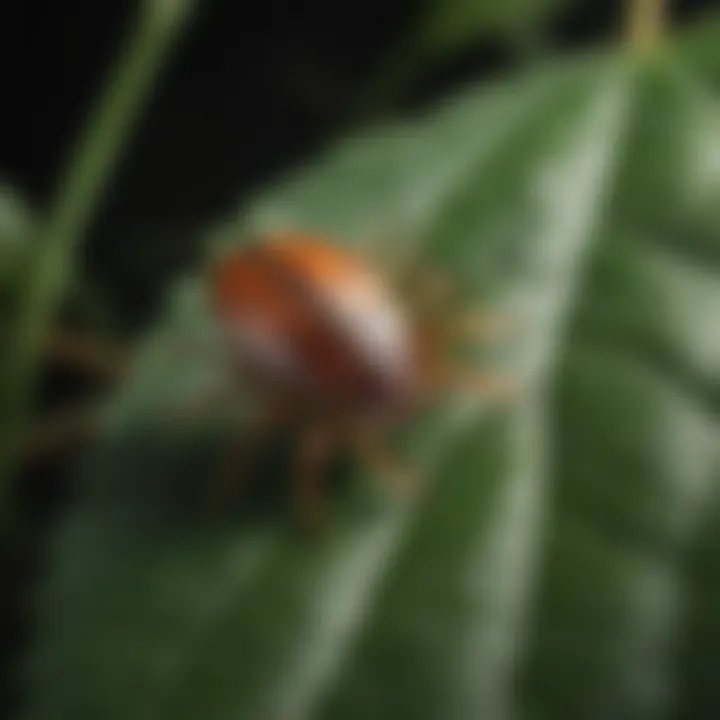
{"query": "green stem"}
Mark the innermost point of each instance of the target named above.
(99, 149)
(646, 23)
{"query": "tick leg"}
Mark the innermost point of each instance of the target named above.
(497, 387)
(401, 262)
(373, 451)
(85, 353)
(483, 326)
(313, 453)
(389, 249)
(70, 426)
(231, 482)
(434, 290)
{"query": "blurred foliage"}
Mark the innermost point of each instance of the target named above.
(85, 302)
(700, 48)
(560, 565)
(51, 266)
(442, 31)
(563, 563)
(447, 27)
(15, 225)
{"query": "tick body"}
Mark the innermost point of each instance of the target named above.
(314, 321)
(327, 339)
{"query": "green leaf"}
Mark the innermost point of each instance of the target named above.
(547, 571)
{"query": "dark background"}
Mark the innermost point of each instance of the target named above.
(254, 89)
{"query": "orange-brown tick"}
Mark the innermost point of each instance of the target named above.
(333, 342)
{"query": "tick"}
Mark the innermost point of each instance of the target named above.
(339, 343)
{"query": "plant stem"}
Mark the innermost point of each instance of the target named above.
(99, 148)
(645, 23)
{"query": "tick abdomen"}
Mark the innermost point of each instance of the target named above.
(317, 319)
